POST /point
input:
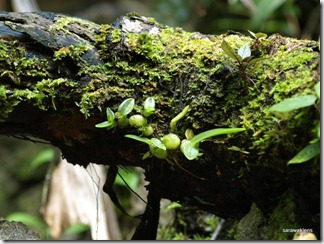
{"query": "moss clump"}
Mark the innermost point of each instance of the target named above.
(251, 225)
(282, 217)
(44, 91)
(73, 51)
(286, 73)
(19, 69)
(62, 23)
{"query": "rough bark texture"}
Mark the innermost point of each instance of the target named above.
(58, 74)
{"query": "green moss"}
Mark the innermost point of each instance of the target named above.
(19, 67)
(286, 73)
(7, 103)
(64, 21)
(74, 51)
(283, 217)
(169, 66)
(251, 225)
(44, 91)
(21, 70)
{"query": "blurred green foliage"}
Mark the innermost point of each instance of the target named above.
(294, 18)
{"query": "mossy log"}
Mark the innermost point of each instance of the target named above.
(58, 74)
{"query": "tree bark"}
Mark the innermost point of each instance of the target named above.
(58, 74)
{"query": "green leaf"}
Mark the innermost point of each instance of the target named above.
(255, 60)
(28, 219)
(306, 153)
(173, 123)
(230, 52)
(261, 35)
(126, 107)
(318, 89)
(244, 51)
(318, 130)
(110, 115)
(77, 228)
(258, 35)
(189, 150)
(158, 143)
(149, 106)
(131, 176)
(252, 34)
(214, 132)
(158, 149)
(235, 148)
(173, 205)
(141, 139)
(264, 9)
(103, 124)
(290, 104)
(45, 156)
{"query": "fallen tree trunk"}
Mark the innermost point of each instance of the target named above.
(58, 75)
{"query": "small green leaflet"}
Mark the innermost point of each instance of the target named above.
(103, 124)
(110, 123)
(110, 115)
(126, 107)
(189, 151)
(190, 148)
(149, 105)
(158, 143)
(293, 103)
(258, 35)
(141, 139)
(306, 153)
(214, 132)
(244, 51)
(230, 52)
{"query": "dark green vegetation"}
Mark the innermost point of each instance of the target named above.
(59, 74)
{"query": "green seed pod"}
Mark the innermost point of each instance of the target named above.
(137, 120)
(123, 122)
(171, 141)
(158, 152)
(147, 130)
(189, 134)
(158, 149)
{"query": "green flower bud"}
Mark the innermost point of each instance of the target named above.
(137, 120)
(171, 141)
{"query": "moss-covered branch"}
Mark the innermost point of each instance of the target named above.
(58, 74)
